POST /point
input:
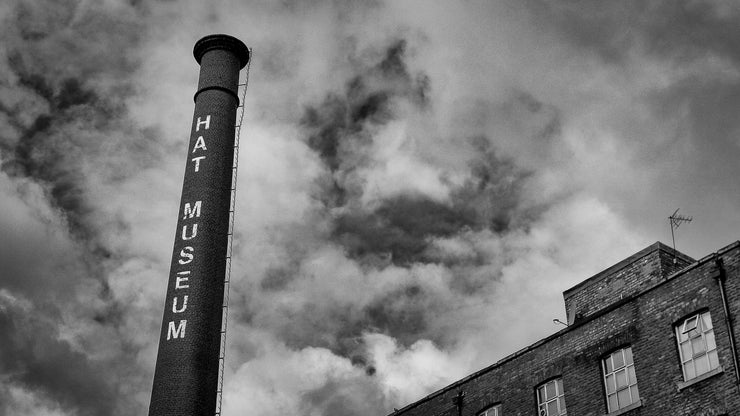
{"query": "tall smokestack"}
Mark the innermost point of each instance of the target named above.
(186, 373)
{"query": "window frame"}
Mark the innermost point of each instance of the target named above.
(608, 368)
(702, 336)
(484, 412)
(558, 398)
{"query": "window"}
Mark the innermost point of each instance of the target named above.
(550, 398)
(491, 411)
(697, 346)
(620, 381)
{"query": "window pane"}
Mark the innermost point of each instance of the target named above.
(713, 360)
(561, 399)
(541, 394)
(492, 411)
(686, 351)
(711, 343)
(635, 393)
(560, 385)
(698, 345)
(681, 336)
(702, 365)
(552, 408)
(618, 359)
(689, 370)
(624, 398)
(550, 390)
(613, 403)
(628, 356)
(621, 379)
(690, 324)
(706, 320)
(610, 386)
(631, 373)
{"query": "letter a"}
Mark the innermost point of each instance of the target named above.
(199, 144)
(192, 234)
(184, 304)
(178, 332)
(207, 122)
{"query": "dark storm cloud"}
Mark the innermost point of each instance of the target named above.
(33, 356)
(78, 115)
(679, 30)
(339, 124)
(676, 64)
(71, 38)
(402, 314)
(48, 150)
(711, 126)
(399, 231)
(401, 227)
(406, 313)
(72, 139)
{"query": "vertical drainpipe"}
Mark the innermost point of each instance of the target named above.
(186, 371)
(721, 276)
(458, 401)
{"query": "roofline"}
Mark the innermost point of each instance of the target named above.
(657, 246)
(585, 320)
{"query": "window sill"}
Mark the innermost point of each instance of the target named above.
(623, 410)
(683, 384)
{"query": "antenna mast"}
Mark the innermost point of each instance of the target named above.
(676, 220)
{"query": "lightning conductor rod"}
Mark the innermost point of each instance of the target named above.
(186, 371)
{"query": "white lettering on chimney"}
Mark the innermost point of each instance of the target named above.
(200, 143)
(193, 233)
(178, 332)
(190, 212)
(207, 123)
(186, 255)
(180, 278)
(184, 304)
(197, 161)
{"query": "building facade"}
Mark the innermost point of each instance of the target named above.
(652, 335)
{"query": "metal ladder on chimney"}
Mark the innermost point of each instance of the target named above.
(227, 278)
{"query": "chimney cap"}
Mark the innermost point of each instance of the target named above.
(221, 41)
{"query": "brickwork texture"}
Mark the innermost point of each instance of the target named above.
(636, 303)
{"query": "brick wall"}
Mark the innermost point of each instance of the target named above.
(645, 323)
(632, 275)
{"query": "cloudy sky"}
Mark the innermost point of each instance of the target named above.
(419, 181)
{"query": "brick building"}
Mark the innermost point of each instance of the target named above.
(651, 335)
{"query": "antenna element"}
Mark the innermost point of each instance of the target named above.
(676, 220)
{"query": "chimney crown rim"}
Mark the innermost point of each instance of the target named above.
(225, 42)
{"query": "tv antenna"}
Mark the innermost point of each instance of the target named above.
(676, 220)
